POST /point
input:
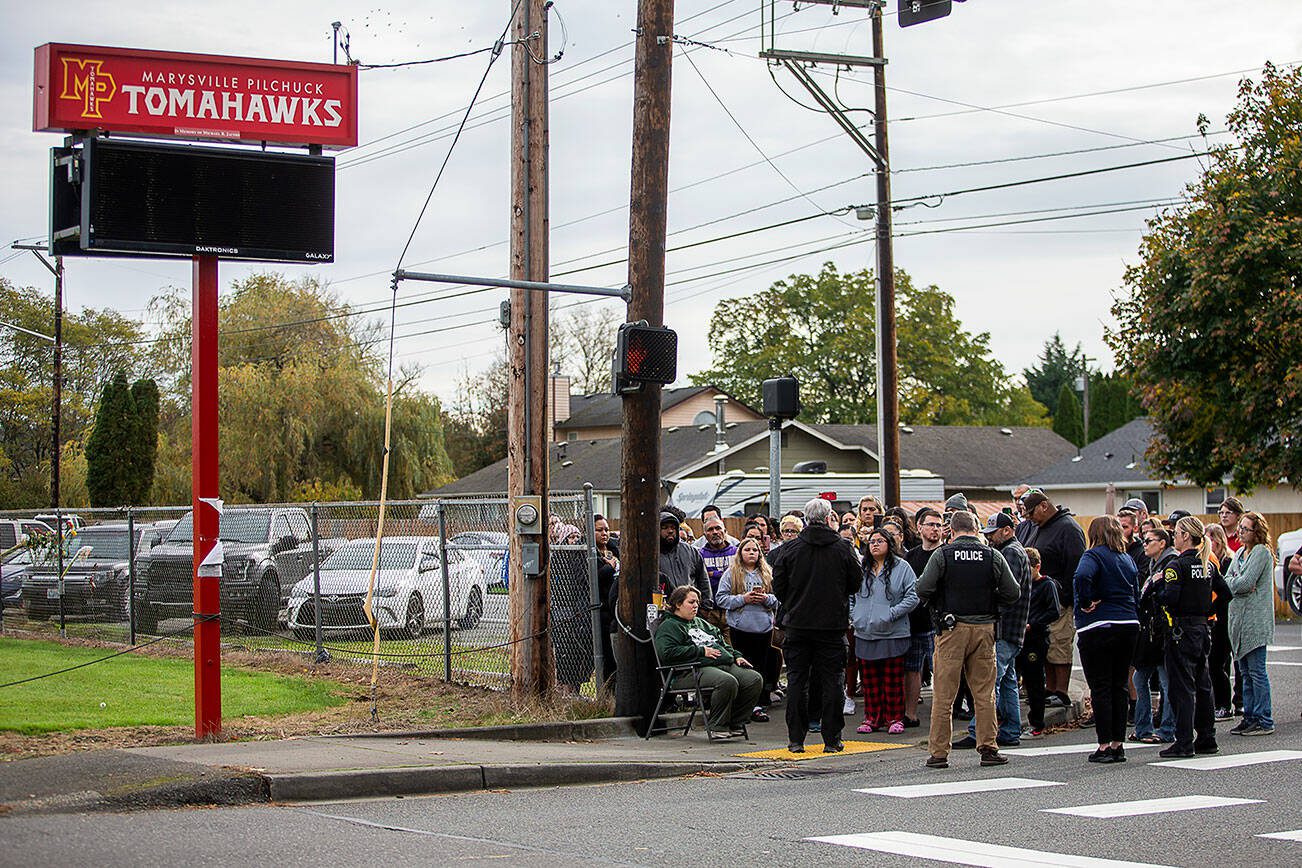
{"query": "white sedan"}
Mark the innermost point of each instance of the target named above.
(408, 589)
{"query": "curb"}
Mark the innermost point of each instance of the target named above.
(427, 780)
(594, 729)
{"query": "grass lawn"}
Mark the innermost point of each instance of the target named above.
(134, 690)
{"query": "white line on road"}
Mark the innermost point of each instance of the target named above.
(960, 852)
(1283, 663)
(1295, 835)
(1111, 810)
(1276, 648)
(1233, 760)
(1054, 750)
(957, 788)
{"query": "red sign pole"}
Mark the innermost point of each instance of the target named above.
(207, 576)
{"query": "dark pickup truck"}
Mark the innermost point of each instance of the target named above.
(95, 584)
(265, 551)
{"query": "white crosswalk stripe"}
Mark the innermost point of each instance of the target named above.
(1295, 835)
(958, 788)
(1112, 810)
(1231, 760)
(1055, 750)
(959, 852)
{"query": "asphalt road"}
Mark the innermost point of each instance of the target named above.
(753, 819)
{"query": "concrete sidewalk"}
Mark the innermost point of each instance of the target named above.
(343, 767)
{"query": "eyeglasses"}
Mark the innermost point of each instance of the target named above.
(877, 542)
(789, 531)
(1152, 539)
(932, 524)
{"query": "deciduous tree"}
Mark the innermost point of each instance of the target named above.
(1209, 323)
(820, 328)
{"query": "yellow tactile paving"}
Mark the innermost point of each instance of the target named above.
(814, 751)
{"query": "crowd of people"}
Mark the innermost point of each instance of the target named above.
(872, 604)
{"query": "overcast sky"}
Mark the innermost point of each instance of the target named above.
(998, 80)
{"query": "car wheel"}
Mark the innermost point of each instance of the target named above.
(266, 609)
(474, 610)
(1294, 588)
(414, 622)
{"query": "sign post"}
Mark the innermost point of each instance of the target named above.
(206, 505)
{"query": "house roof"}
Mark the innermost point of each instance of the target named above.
(964, 456)
(605, 410)
(1117, 456)
(975, 456)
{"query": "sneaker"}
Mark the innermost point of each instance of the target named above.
(816, 726)
(1101, 755)
(1240, 727)
(1056, 700)
(1223, 714)
(896, 728)
(834, 747)
(1118, 754)
(936, 761)
(796, 747)
(1174, 752)
(1007, 742)
(965, 743)
(759, 715)
(912, 723)
(963, 714)
(1032, 734)
(848, 708)
(1207, 749)
(1258, 729)
(992, 757)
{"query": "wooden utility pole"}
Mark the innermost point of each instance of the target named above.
(888, 381)
(533, 668)
(636, 687)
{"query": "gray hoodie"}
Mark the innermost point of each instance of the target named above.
(743, 616)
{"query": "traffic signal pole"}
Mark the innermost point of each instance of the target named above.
(636, 687)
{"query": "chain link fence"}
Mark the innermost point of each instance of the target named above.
(295, 579)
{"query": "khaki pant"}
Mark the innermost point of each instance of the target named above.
(968, 649)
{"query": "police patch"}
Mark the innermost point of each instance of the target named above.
(1170, 575)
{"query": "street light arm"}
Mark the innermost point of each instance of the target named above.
(27, 331)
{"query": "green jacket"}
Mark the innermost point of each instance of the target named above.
(679, 642)
(1252, 608)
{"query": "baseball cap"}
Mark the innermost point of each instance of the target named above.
(669, 518)
(1137, 504)
(996, 521)
(1176, 515)
(1034, 499)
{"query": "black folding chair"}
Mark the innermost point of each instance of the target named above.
(694, 692)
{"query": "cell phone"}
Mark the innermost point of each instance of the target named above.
(877, 521)
(1007, 510)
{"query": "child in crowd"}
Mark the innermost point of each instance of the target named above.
(1045, 609)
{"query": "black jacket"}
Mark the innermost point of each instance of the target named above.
(1060, 542)
(813, 578)
(1044, 604)
(920, 618)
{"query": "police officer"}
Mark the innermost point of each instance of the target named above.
(966, 585)
(1186, 597)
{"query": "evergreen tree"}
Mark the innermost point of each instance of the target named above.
(1057, 367)
(143, 445)
(108, 450)
(1068, 421)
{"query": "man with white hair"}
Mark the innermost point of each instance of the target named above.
(813, 578)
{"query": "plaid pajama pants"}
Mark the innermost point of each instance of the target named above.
(883, 690)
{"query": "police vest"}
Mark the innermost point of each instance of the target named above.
(968, 584)
(1193, 582)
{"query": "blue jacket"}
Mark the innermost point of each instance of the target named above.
(883, 611)
(1111, 579)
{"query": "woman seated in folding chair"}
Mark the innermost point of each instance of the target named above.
(682, 639)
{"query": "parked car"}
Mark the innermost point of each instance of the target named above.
(71, 521)
(486, 548)
(97, 577)
(1288, 585)
(14, 567)
(408, 589)
(265, 551)
(14, 530)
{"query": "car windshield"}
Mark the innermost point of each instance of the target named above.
(238, 525)
(104, 545)
(359, 554)
(22, 556)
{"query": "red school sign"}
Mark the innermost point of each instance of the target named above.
(194, 96)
